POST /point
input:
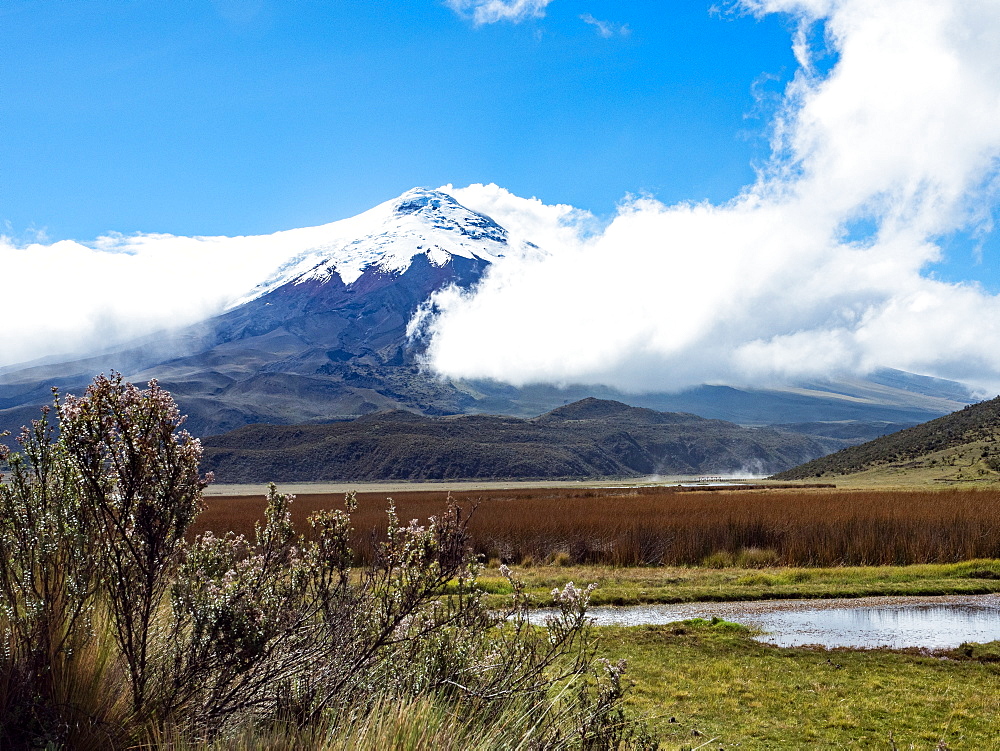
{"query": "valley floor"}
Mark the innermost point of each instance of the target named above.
(710, 685)
(458, 486)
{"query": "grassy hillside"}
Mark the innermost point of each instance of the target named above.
(589, 438)
(958, 447)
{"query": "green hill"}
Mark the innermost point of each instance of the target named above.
(961, 446)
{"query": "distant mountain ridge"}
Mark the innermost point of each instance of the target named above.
(590, 438)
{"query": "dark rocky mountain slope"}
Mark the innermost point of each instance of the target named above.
(589, 438)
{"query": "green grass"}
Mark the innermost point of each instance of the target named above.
(700, 681)
(630, 586)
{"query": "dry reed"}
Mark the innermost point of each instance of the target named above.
(652, 526)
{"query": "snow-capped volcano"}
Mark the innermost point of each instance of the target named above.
(324, 336)
(388, 238)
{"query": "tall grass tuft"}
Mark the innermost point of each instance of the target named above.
(423, 724)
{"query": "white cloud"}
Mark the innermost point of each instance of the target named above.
(901, 132)
(555, 228)
(119, 287)
(605, 28)
(491, 11)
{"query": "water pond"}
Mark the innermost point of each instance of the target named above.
(864, 623)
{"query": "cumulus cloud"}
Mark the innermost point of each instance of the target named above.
(491, 11)
(778, 284)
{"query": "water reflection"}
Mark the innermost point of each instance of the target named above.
(896, 622)
(931, 626)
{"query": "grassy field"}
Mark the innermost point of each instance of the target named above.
(713, 687)
(958, 467)
(637, 585)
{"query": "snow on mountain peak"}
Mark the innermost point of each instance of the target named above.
(388, 237)
(444, 212)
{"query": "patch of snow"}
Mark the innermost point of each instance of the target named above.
(388, 237)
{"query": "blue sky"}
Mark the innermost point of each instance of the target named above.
(773, 191)
(250, 116)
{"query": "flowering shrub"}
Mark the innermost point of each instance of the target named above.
(226, 634)
(138, 475)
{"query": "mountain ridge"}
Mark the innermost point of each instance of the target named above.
(976, 427)
(596, 439)
(389, 236)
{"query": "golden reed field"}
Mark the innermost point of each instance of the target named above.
(660, 525)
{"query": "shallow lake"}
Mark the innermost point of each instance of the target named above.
(868, 622)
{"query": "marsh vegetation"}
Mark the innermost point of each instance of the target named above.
(701, 683)
(663, 526)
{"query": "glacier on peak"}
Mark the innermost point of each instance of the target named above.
(388, 237)
(444, 212)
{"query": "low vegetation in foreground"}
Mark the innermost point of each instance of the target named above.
(131, 618)
(711, 686)
(117, 632)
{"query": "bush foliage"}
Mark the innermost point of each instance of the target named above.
(115, 632)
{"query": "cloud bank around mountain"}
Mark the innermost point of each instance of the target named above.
(823, 266)
(71, 297)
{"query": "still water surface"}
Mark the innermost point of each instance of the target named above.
(895, 622)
